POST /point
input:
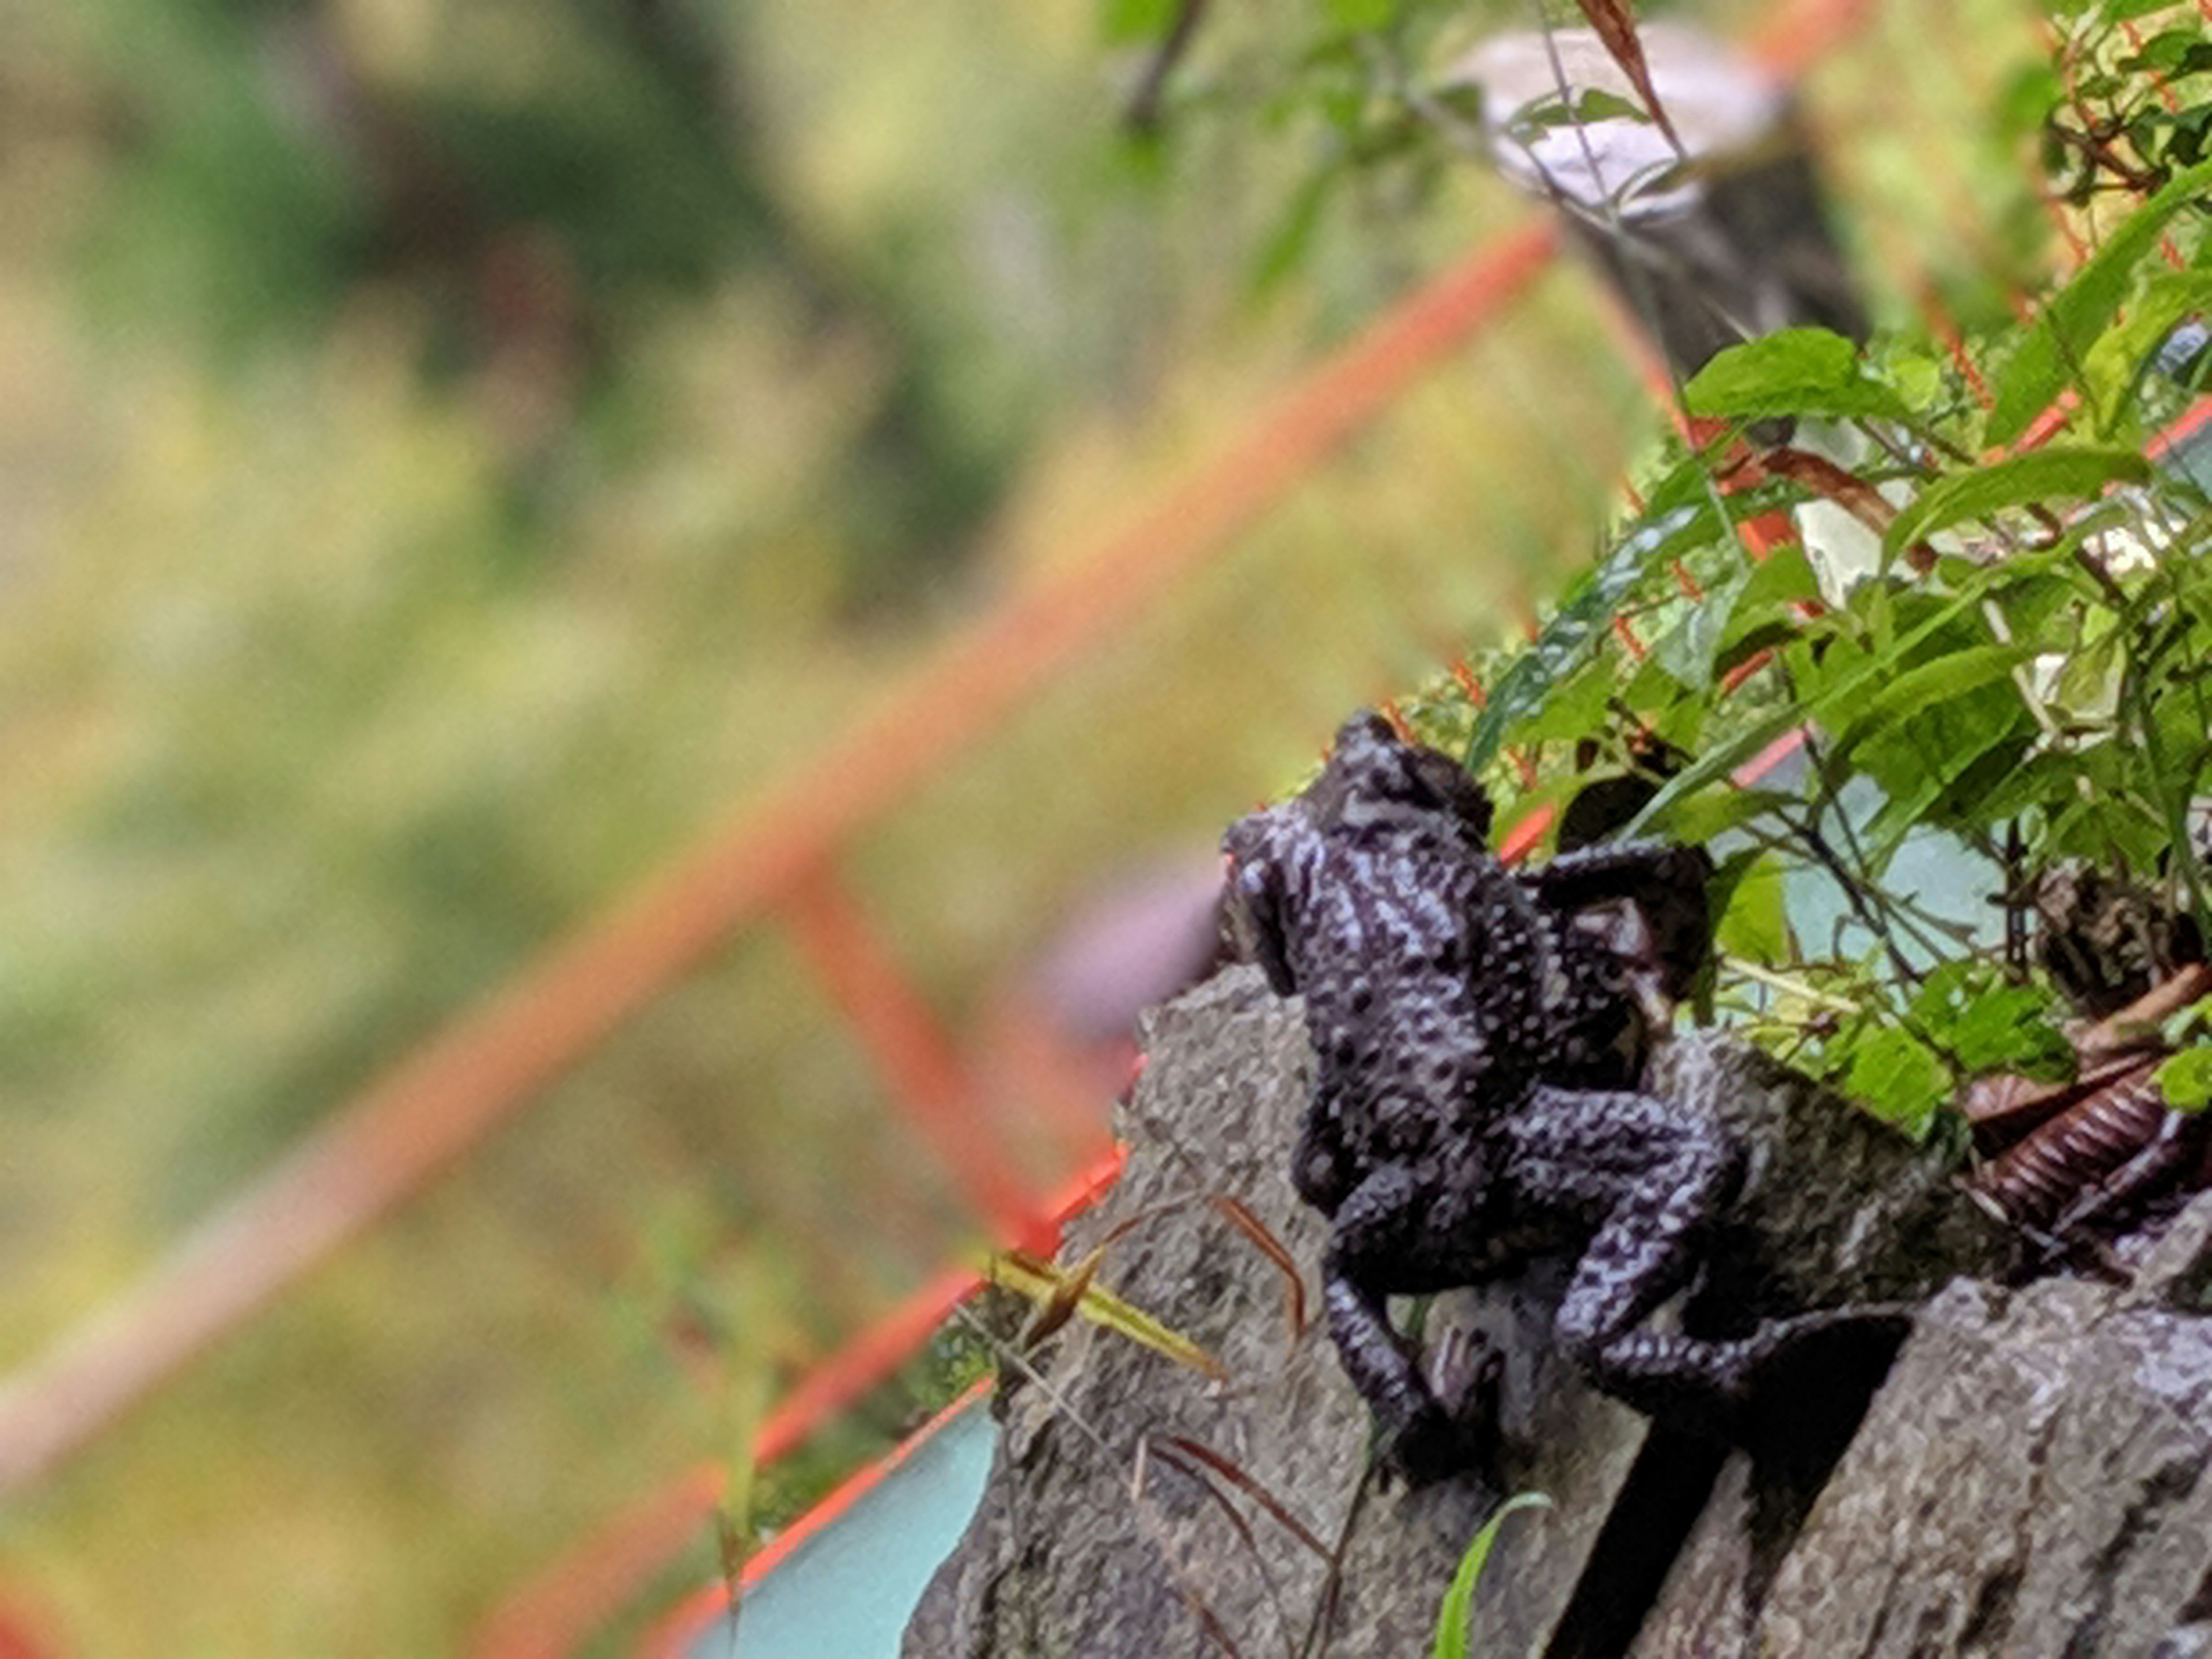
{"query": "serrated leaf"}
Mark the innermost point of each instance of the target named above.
(1706, 817)
(1793, 371)
(1720, 760)
(2061, 337)
(1754, 924)
(1585, 108)
(1785, 576)
(2058, 472)
(1929, 685)
(2170, 51)
(2118, 362)
(1614, 21)
(1565, 641)
(1991, 1025)
(1768, 637)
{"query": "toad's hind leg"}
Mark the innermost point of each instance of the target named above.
(1658, 1180)
(1652, 1180)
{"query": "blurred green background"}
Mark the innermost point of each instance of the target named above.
(453, 452)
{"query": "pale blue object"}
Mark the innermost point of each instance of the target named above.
(847, 1592)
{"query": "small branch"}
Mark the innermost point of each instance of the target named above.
(1142, 113)
(1784, 983)
(2097, 147)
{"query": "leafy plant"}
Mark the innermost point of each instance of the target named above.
(2022, 679)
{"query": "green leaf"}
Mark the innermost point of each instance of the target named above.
(2061, 471)
(1754, 924)
(1991, 1025)
(2061, 337)
(1784, 578)
(1586, 108)
(1574, 708)
(1361, 16)
(2026, 97)
(2171, 52)
(1125, 22)
(1718, 763)
(1931, 685)
(2185, 1079)
(1457, 1614)
(1796, 371)
(1709, 816)
(1291, 237)
(1575, 628)
(1897, 1079)
(1689, 650)
(1770, 635)
(2118, 362)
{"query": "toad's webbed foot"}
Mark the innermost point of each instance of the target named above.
(1435, 1444)
(1454, 1433)
(1459, 1436)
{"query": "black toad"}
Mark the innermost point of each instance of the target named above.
(1478, 1033)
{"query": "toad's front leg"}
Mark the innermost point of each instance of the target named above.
(1404, 1230)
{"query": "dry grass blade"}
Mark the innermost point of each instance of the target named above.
(1177, 1454)
(1066, 1292)
(1047, 1284)
(1240, 1217)
(1208, 1620)
(1614, 23)
(1183, 1447)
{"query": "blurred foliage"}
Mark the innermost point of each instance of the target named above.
(544, 181)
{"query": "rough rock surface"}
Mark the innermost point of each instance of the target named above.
(2031, 1480)
(2027, 1482)
(1068, 1557)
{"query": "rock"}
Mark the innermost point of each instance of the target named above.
(2030, 1481)
(2027, 1480)
(1065, 1557)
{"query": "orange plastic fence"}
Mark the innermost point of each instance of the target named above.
(919, 1065)
(440, 1102)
